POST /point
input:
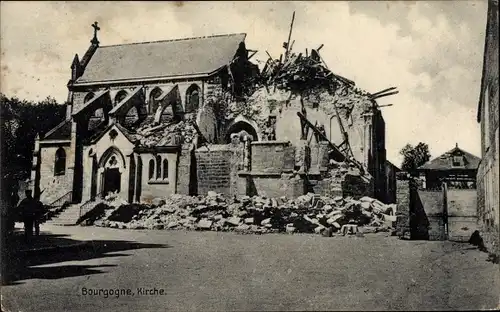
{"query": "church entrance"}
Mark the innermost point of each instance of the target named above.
(110, 172)
(112, 178)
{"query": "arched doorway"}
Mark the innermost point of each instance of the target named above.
(111, 169)
(239, 126)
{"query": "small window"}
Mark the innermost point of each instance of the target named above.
(192, 98)
(153, 99)
(120, 96)
(165, 169)
(457, 161)
(60, 162)
(88, 97)
(158, 167)
(151, 168)
(99, 113)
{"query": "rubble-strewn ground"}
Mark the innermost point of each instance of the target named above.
(214, 271)
(306, 214)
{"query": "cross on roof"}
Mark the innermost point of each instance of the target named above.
(96, 28)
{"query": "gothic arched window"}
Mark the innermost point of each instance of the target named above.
(192, 98)
(151, 168)
(165, 169)
(120, 96)
(88, 97)
(153, 99)
(158, 167)
(60, 162)
(99, 113)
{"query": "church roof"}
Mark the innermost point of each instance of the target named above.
(60, 132)
(161, 59)
(444, 162)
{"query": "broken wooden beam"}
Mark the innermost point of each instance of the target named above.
(251, 55)
(270, 56)
(383, 91)
(384, 95)
(338, 154)
(204, 141)
(289, 36)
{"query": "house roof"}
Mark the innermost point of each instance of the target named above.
(160, 59)
(392, 165)
(98, 135)
(80, 108)
(60, 132)
(444, 162)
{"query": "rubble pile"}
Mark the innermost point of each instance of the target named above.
(166, 134)
(306, 214)
(309, 76)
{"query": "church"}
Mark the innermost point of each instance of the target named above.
(126, 116)
(186, 116)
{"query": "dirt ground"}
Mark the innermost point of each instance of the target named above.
(210, 271)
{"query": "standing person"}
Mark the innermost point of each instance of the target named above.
(39, 210)
(27, 208)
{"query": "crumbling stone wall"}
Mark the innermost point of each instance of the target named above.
(356, 186)
(271, 174)
(276, 185)
(272, 156)
(331, 187)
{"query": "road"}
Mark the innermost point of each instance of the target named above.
(209, 271)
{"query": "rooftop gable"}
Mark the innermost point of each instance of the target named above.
(161, 59)
(60, 132)
(444, 161)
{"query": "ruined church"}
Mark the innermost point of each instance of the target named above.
(151, 119)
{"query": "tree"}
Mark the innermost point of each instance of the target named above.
(414, 157)
(21, 120)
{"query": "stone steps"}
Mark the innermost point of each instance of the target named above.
(69, 216)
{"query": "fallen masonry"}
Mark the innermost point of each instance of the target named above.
(306, 214)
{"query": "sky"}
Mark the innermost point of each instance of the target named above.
(430, 50)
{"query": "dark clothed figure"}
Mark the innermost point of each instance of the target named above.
(30, 210)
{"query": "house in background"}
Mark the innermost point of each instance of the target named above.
(487, 116)
(457, 168)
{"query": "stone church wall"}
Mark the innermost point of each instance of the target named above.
(158, 187)
(52, 186)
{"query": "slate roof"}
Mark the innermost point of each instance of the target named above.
(392, 165)
(99, 134)
(60, 132)
(169, 58)
(444, 162)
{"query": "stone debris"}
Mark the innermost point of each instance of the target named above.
(308, 213)
(173, 133)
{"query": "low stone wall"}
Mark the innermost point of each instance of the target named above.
(217, 167)
(275, 186)
(272, 157)
(462, 214)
